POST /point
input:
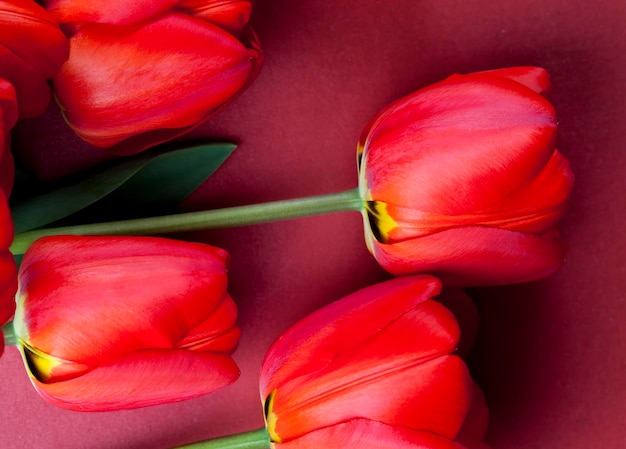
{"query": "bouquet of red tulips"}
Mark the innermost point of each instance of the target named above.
(459, 184)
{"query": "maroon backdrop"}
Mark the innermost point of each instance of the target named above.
(551, 355)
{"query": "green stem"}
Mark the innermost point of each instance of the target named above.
(210, 219)
(10, 339)
(255, 439)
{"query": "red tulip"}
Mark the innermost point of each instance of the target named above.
(462, 180)
(32, 48)
(109, 323)
(372, 370)
(128, 88)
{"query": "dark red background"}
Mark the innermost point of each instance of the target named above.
(551, 355)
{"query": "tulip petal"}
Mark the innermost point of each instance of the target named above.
(535, 78)
(474, 255)
(115, 295)
(149, 83)
(217, 332)
(366, 434)
(311, 344)
(418, 335)
(32, 48)
(232, 15)
(536, 206)
(433, 395)
(145, 378)
(489, 134)
(114, 12)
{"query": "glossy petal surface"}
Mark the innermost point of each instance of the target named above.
(149, 83)
(536, 206)
(163, 287)
(232, 15)
(114, 12)
(489, 133)
(312, 343)
(381, 354)
(475, 256)
(431, 395)
(535, 78)
(32, 48)
(462, 179)
(106, 323)
(366, 434)
(141, 379)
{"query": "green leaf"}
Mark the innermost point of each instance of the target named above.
(164, 177)
(171, 177)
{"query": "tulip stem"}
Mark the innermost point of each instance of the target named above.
(255, 439)
(202, 220)
(10, 339)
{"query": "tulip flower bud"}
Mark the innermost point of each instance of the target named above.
(128, 88)
(109, 323)
(372, 370)
(462, 179)
(32, 48)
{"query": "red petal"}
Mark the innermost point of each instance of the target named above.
(535, 78)
(343, 326)
(115, 12)
(145, 378)
(433, 396)
(90, 299)
(474, 256)
(232, 15)
(540, 204)
(534, 207)
(458, 146)
(149, 83)
(365, 434)
(32, 48)
(217, 332)
(418, 335)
